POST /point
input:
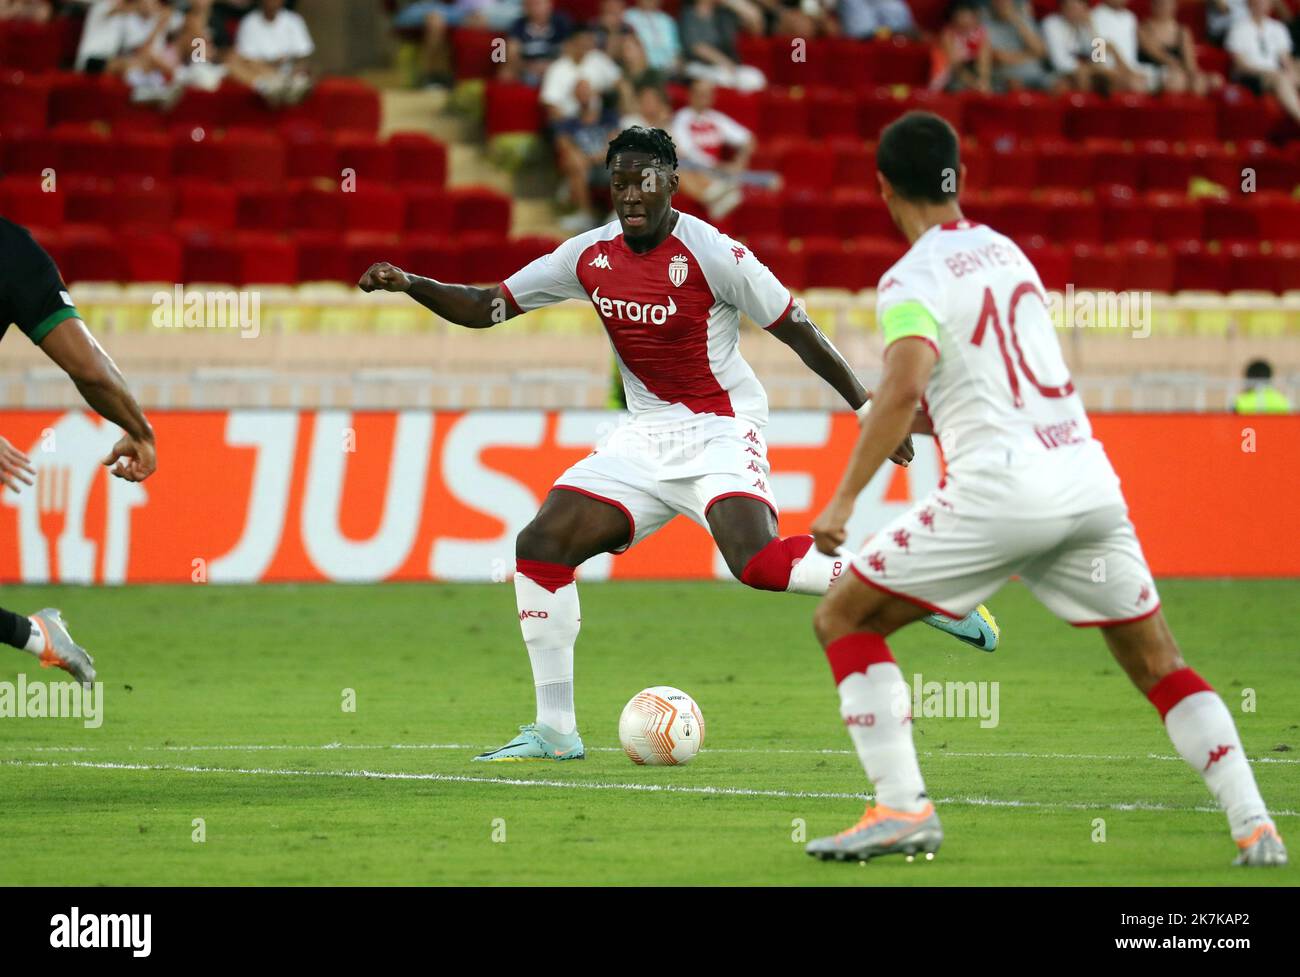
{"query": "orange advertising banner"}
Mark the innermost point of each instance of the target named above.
(273, 495)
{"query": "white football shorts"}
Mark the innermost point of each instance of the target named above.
(958, 546)
(655, 471)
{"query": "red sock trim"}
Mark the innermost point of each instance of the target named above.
(769, 568)
(856, 652)
(552, 576)
(1174, 688)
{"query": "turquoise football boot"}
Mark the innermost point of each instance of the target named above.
(978, 629)
(537, 742)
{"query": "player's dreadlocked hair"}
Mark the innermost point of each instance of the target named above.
(638, 139)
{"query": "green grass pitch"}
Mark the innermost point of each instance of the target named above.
(226, 704)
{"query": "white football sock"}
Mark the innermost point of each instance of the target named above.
(550, 623)
(876, 707)
(35, 643)
(815, 571)
(1205, 736)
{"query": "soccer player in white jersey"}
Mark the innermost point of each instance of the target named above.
(1028, 492)
(669, 290)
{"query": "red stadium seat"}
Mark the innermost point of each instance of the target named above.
(832, 114)
(760, 52)
(850, 67)
(1228, 220)
(1175, 217)
(24, 103)
(1200, 267)
(1061, 165)
(479, 209)
(81, 99)
(345, 104)
(317, 208)
(211, 256)
(808, 214)
(1145, 267)
(143, 202)
(373, 162)
(472, 50)
(202, 204)
(1026, 115)
(142, 154)
(263, 206)
(428, 211)
(323, 258)
(759, 215)
(484, 260)
(814, 68)
(152, 256)
(90, 254)
(1178, 118)
(788, 264)
(1116, 162)
(784, 116)
(511, 107)
(379, 209)
(1243, 116)
(833, 264)
(1071, 218)
(1012, 165)
(744, 107)
(23, 201)
(436, 256)
(805, 165)
(855, 164)
(898, 61)
(310, 154)
(418, 159)
(861, 214)
(254, 156)
(1053, 261)
(266, 258)
(198, 154)
(28, 46)
(90, 199)
(1095, 267)
(80, 149)
(1162, 167)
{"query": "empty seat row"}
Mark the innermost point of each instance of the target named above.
(193, 203)
(38, 101)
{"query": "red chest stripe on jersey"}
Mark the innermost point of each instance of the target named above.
(660, 331)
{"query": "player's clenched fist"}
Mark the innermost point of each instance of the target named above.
(383, 277)
(15, 467)
(830, 529)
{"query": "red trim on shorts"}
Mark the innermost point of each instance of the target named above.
(856, 652)
(933, 608)
(615, 503)
(510, 295)
(741, 495)
(784, 312)
(1124, 620)
(1174, 688)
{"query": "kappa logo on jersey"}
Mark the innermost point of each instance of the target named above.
(677, 269)
(902, 539)
(602, 261)
(633, 311)
(739, 252)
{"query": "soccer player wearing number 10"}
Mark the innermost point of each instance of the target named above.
(1028, 492)
(669, 290)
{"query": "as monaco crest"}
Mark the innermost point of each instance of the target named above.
(677, 269)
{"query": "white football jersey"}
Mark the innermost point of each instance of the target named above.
(1000, 396)
(672, 314)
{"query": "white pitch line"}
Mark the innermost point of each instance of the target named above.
(311, 747)
(637, 788)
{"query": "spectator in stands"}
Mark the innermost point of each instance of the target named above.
(436, 17)
(713, 151)
(534, 42)
(1114, 23)
(708, 32)
(1261, 56)
(580, 145)
(1170, 49)
(797, 18)
(1220, 15)
(649, 107)
(114, 31)
(1070, 36)
(617, 39)
(964, 57)
(36, 11)
(1260, 396)
(271, 50)
(659, 37)
(1018, 50)
(866, 18)
(580, 61)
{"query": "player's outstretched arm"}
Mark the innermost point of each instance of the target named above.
(102, 386)
(819, 354)
(893, 407)
(465, 305)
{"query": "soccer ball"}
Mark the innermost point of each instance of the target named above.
(661, 726)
